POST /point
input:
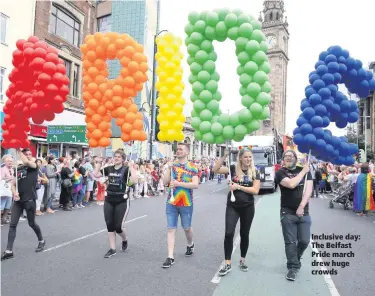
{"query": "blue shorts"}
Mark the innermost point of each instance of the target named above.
(173, 212)
(6, 202)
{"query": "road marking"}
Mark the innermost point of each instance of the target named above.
(87, 236)
(327, 278)
(216, 279)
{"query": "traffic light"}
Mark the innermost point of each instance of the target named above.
(157, 127)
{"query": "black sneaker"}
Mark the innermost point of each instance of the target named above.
(227, 268)
(243, 266)
(189, 250)
(291, 275)
(168, 263)
(110, 253)
(124, 246)
(7, 255)
(40, 246)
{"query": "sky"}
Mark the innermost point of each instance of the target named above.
(314, 25)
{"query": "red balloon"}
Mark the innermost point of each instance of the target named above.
(39, 53)
(52, 57)
(52, 50)
(61, 68)
(41, 44)
(28, 52)
(33, 39)
(20, 44)
(49, 68)
(44, 79)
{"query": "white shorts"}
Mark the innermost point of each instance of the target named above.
(90, 186)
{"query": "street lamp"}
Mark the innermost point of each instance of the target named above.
(153, 109)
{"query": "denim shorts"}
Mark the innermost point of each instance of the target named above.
(6, 202)
(173, 212)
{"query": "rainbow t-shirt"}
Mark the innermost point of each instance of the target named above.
(182, 172)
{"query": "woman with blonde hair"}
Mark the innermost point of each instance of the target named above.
(245, 183)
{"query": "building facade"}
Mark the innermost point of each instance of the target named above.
(275, 27)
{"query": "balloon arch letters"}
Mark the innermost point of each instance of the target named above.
(324, 104)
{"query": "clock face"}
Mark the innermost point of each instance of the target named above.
(271, 41)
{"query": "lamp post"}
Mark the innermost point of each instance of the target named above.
(144, 110)
(153, 109)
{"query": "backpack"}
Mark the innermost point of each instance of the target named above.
(118, 179)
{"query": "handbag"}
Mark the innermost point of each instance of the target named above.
(66, 183)
(5, 188)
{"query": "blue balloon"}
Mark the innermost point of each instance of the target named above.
(304, 104)
(315, 99)
(342, 123)
(345, 106)
(313, 78)
(298, 139)
(342, 68)
(344, 149)
(303, 148)
(335, 109)
(323, 55)
(320, 144)
(353, 105)
(369, 75)
(335, 141)
(296, 131)
(301, 121)
(330, 150)
(308, 113)
(327, 137)
(336, 50)
(337, 77)
(320, 110)
(358, 64)
(372, 84)
(341, 60)
(324, 93)
(306, 129)
(353, 117)
(336, 153)
(318, 132)
(362, 73)
(363, 93)
(316, 121)
(318, 84)
(345, 53)
(353, 148)
(353, 74)
(328, 78)
(333, 67)
(322, 69)
(364, 84)
(330, 58)
(343, 139)
(350, 63)
(309, 91)
(319, 63)
(326, 121)
(333, 88)
(327, 103)
(309, 140)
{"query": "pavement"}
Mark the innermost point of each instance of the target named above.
(73, 262)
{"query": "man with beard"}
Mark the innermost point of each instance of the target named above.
(295, 218)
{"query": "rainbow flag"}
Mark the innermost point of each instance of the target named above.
(363, 194)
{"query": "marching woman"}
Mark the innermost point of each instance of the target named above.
(245, 183)
(117, 201)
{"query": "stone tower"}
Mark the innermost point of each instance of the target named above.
(275, 27)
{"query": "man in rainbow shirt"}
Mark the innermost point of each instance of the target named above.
(182, 178)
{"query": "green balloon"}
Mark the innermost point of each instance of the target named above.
(243, 58)
(198, 135)
(199, 106)
(210, 33)
(211, 86)
(212, 18)
(245, 30)
(263, 46)
(194, 114)
(195, 68)
(190, 60)
(243, 18)
(196, 38)
(198, 87)
(237, 11)
(240, 70)
(250, 68)
(241, 43)
(192, 78)
(252, 126)
(193, 17)
(265, 114)
(192, 49)
(206, 115)
(238, 138)
(266, 87)
(204, 77)
(252, 47)
(212, 56)
(189, 28)
(233, 33)
(223, 12)
(205, 96)
(265, 67)
(200, 26)
(245, 116)
(256, 109)
(201, 57)
(258, 36)
(217, 96)
(215, 118)
(245, 79)
(208, 138)
(195, 122)
(228, 132)
(216, 129)
(213, 106)
(221, 29)
(187, 40)
(215, 76)
(207, 46)
(203, 15)
(257, 25)
(234, 119)
(205, 127)
(224, 119)
(209, 66)
(230, 20)
(243, 91)
(263, 98)
(253, 89)
(240, 130)
(221, 38)
(260, 57)
(219, 140)
(260, 77)
(194, 97)
(247, 100)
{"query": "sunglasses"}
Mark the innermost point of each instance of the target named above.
(245, 147)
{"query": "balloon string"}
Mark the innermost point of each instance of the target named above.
(172, 196)
(308, 162)
(232, 197)
(127, 178)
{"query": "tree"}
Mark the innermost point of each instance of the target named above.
(353, 137)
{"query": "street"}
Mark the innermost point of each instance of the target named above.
(73, 262)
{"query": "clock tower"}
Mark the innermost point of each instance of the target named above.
(275, 27)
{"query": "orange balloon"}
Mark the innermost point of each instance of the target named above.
(138, 124)
(117, 101)
(130, 117)
(124, 72)
(104, 72)
(143, 136)
(87, 80)
(97, 134)
(109, 93)
(129, 51)
(139, 115)
(96, 119)
(133, 108)
(91, 44)
(117, 90)
(93, 143)
(127, 102)
(89, 112)
(120, 43)
(107, 134)
(86, 95)
(127, 128)
(104, 142)
(104, 42)
(92, 87)
(120, 121)
(98, 95)
(88, 119)
(100, 52)
(121, 112)
(107, 118)
(84, 48)
(100, 64)
(102, 87)
(101, 110)
(104, 126)
(128, 92)
(129, 82)
(88, 135)
(139, 48)
(93, 104)
(109, 105)
(143, 67)
(135, 135)
(111, 51)
(98, 36)
(133, 66)
(91, 56)
(138, 57)
(90, 126)
(125, 137)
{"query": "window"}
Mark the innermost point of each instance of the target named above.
(104, 24)
(3, 28)
(2, 75)
(75, 80)
(74, 77)
(63, 24)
